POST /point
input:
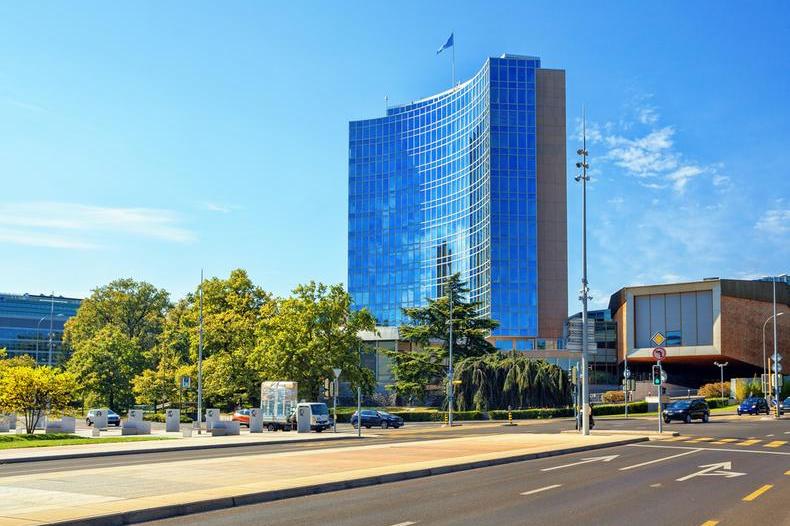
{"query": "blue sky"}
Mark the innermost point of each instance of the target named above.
(152, 139)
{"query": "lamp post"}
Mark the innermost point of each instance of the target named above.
(200, 361)
(765, 361)
(450, 386)
(776, 352)
(584, 297)
(721, 367)
(38, 335)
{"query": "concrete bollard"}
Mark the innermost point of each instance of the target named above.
(187, 432)
(67, 424)
(135, 415)
(95, 432)
(256, 420)
(100, 418)
(5, 424)
(173, 420)
(212, 417)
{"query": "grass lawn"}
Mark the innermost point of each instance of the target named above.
(63, 439)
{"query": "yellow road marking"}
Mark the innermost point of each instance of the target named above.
(750, 442)
(674, 439)
(709, 523)
(700, 439)
(787, 473)
(753, 495)
(725, 441)
(776, 443)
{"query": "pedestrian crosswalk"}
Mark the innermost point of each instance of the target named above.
(717, 441)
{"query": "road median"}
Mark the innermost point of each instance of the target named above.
(137, 493)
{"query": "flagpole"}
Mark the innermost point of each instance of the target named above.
(453, 33)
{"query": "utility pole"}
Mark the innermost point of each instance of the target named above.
(450, 385)
(776, 353)
(584, 297)
(200, 360)
(52, 318)
(721, 367)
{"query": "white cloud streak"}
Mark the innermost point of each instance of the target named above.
(775, 222)
(72, 225)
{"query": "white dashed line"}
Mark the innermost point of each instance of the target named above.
(531, 492)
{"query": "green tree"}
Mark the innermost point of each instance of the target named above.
(301, 338)
(135, 308)
(105, 365)
(159, 385)
(34, 390)
(429, 330)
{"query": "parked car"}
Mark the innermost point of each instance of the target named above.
(242, 416)
(754, 405)
(112, 418)
(786, 404)
(783, 406)
(371, 418)
(687, 410)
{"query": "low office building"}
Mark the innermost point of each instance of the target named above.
(701, 322)
(32, 324)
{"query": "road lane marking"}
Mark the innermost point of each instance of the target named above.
(713, 470)
(695, 450)
(770, 435)
(700, 439)
(532, 492)
(674, 439)
(725, 441)
(726, 450)
(709, 523)
(407, 523)
(787, 473)
(583, 461)
(753, 495)
(776, 443)
(750, 442)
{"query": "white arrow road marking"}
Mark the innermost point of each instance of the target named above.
(712, 470)
(660, 459)
(531, 492)
(407, 523)
(583, 461)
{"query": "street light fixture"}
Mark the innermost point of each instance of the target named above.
(584, 293)
(721, 367)
(765, 361)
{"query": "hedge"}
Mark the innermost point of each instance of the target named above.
(162, 418)
(417, 416)
(714, 403)
(619, 409)
(526, 414)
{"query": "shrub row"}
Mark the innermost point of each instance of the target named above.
(532, 413)
(162, 418)
(713, 403)
(619, 409)
(418, 416)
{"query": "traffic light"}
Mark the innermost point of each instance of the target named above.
(656, 375)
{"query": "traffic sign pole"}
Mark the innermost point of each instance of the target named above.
(660, 388)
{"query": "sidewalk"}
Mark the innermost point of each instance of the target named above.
(135, 493)
(178, 443)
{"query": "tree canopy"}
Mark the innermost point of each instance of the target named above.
(32, 391)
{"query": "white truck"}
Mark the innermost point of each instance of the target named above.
(279, 408)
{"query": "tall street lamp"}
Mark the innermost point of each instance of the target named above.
(776, 351)
(721, 367)
(766, 383)
(38, 334)
(584, 297)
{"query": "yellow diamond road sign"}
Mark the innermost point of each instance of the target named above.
(658, 338)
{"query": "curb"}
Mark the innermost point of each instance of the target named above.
(177, 510)
(68, 456)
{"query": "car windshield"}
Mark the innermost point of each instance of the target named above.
(681, 404)
(751, 400)
(787, 401)
(111, 413)
(319, 409)
(384, 413)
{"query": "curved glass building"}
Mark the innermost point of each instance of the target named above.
(451, 183)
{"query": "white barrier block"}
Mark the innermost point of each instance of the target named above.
(173, 420)
(68, 424)
(100, 418)
(5, 424)
(95, 432)
(135, 415)
(212, 417)
(232, 428)
(256, 420)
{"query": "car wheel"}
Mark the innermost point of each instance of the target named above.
(88, 421)
(118, 424)
(384, 424)
(319, 429)
(739, 412)
(367, 427)
(705, 418)
(271, 427)
(687, 419)
(666, 420)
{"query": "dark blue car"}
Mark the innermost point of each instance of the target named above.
(754, 405)
(371, 418)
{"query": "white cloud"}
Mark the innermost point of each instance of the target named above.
(647, 115)
(775, 222)
(646, 156)
(682, 175)
(71, 225)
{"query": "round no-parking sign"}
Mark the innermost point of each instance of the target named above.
(659, 353)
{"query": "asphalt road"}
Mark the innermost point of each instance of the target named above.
(719, 426)
(702, 479)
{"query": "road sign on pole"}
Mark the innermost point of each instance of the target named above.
(659, 353)
(658, 339)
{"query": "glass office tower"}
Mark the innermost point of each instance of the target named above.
(450, 183)
(25, 322)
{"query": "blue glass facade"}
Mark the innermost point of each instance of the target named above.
(25, 323)
(448, 184)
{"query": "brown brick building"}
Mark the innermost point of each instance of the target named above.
(702, 322)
